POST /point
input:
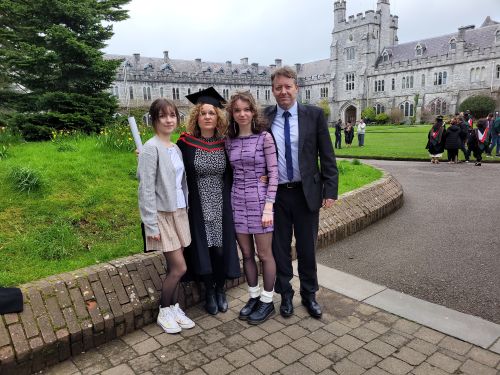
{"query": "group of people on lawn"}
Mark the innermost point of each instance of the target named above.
(349, 133)
(462, 135)
(238, 175)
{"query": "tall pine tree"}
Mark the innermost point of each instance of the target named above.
(52, 71)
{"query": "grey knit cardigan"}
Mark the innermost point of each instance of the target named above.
(157, 190)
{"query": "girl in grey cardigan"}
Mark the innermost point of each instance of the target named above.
(163, 198)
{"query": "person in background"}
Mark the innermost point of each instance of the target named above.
(212, 255)
(361, 132)
(252, 155)
(495, 135)
(464, 131)
(338, 134)
(349, 134)
(163, 197)
(436, 140)
(478, 141)
(453, 140)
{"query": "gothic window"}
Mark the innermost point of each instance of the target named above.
(411, 82)
(189, 91)
(476, 75)
(161, 92)
(482, 74)
(497, 36)
(472, 75)
(175, 93)
(149, 93)
(440, 78)
(268, 95)
(453, 44)
(349, 81)
(225, 93)
(145, 93)
(324, 92)
(423, 80)
(257, 94)
(379, 85)
(403, 84)
(131, 92)
(385, 56)
(379, 108)
(406, 109)
(394, 84)
(308, 94)
(350, 37)
(349, 52)
(438, 107)
(498, 71)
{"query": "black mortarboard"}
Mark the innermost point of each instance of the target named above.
(207, 96)
(11, 300)
(439, 118)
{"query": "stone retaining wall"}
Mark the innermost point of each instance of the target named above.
(69, 313)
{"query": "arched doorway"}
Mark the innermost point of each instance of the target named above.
(350, 114)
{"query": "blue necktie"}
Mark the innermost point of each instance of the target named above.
(288, 147)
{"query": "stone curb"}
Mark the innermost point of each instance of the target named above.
(73, 312)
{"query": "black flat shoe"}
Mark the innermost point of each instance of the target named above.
(313, 307)
(286, 307)
(262, 313)
(211, 303)
(220, 296)
(249, 308)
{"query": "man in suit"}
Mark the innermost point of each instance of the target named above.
(301, 135)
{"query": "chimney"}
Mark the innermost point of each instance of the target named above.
(277, 62)
(244, 61)
(165, 56)
(198, 63)
(462, 30)
(255, 68)
(137, 58)
(297, 67)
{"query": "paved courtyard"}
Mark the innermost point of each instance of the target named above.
(352, 338)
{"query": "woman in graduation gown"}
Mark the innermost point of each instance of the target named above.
(212, 255)
(436, 139)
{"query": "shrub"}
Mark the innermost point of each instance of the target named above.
(382, 118)
(356, 162)
(478, 105)
(323, 104)
(396, 115)
(369, 114)
(25, 179)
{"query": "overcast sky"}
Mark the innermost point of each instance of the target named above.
(262, 30)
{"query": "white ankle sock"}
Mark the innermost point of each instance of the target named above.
(266, 297)
(254, 291)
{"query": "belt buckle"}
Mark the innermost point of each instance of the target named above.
(291, 185)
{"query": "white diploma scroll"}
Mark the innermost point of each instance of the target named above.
(135, 133)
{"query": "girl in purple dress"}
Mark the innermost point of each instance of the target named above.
(252, 154)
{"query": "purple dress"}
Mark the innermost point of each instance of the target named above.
(251, 157)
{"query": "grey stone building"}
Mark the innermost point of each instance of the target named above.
(367, 67)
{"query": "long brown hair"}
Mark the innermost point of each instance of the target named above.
(259, 122)
(193, 128)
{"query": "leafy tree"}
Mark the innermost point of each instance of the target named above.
(323, 104)
(368, 114)
(52, 67)
(478, 105)
(382, 118)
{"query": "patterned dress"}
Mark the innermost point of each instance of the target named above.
(252, 157)
(209, 167)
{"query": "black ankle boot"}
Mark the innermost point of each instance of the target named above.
(220, 296)
(249, 308)
(210, 302)
(262, 312)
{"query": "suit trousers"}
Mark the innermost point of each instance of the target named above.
(293, 217)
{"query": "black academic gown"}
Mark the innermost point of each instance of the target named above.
(197, 253)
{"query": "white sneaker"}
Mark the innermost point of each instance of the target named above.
(166, 320)
(180, 317)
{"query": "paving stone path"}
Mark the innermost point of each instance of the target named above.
(352, 338)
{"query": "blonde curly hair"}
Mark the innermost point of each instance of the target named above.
(193, 128)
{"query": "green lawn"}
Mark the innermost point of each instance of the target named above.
(84, 210)
(398, 142)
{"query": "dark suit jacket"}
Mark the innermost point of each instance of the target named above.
(318, 181)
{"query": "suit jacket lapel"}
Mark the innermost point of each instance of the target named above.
(301, 110)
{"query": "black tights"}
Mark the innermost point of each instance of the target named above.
(176, 268)
(265, 254)
(218, 275)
